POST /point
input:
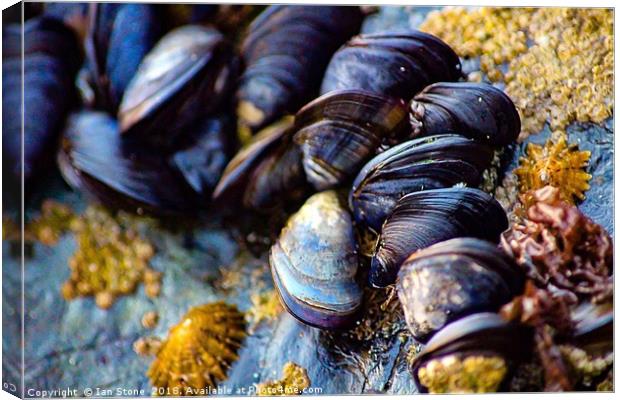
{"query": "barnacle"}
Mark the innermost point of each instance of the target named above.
(150, 319)
(294, 381)
(199, 349)
(265, 306)
(557, 244)
(556, 164)
(110, 260)
(147, 346)
(54, 220)
(566, 74)
(471, 374)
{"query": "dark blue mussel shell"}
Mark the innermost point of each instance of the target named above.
(267, 172)
(185, 77)
(421, 219)
(433, 162)
(50, 61)
(452, 279)
(476, 110)
(96, 159)
(398, 64)
(285, 54)
(339, 131)
(119, 37)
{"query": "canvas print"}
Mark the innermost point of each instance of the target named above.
(245, 200)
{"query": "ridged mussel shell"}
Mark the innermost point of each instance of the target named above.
(94, 159)
(266, 172)
(476, 110)
(118, 38)
(396, 64)
(184, 77)
(314, 263)
(421, 219)
(285, 53)
(452, 279)
(50, 59)
(341, 130)
(433, 162)
(481, 334)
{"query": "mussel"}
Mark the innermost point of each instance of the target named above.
(594, 327)
(266, 172)
(118, 38)
(51, 57)
(206, 150)
(473, 354)
(341, 130)
(452, 279)
(398, 64)
(184, 77)
(421, 219)
(314, 263)
(94, 159)
(433, 162)
(285, 53)
(476, 110)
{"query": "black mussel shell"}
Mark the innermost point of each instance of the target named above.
(74, 15)
(184, 77)
(477, 334)
(340, 131)
(118, 39)
(205, 153)
(476, 110)
(452, 279)
(94, 159)
(434, 162)
(594, 327)
(314, 263)
(285, 53)
(50, 61)
(396, 64)
(265, 173)
(421, 219)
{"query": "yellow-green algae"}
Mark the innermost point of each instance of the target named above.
(471, 374)
(294, 381)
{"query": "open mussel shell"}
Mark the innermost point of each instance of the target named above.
(434, 162)
(396, 64)
(46, 71)
(452, 279)
(94, 159)
(475, 337)
(340, 131)
(476, 110)
(285, 53)
(206, 150)
(119, 36)
(185, 76)
(266, 172)
(421, 219)
(314, 263)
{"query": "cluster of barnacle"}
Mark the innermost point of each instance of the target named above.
(565, 76)
(265, 307)
(394, 145)
(294, 381)
(111, 259)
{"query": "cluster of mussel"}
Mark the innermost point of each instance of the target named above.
(392, 125)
